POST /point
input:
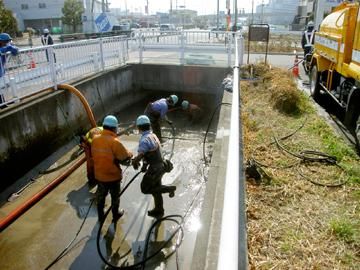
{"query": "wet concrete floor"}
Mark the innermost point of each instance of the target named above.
(35, 239)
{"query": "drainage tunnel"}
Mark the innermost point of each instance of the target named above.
(45, 131)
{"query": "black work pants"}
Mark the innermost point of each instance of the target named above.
(151, 184)
(154, 120)
(103, 189)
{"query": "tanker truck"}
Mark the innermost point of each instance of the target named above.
(335, 63)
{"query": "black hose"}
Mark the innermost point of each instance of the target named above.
(173, 140)
(73, 156)
(208, 127)
(309, 155)
(65, 250)
(158, 221)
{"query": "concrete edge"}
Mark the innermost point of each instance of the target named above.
(208, 239)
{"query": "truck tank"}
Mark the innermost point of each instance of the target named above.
(335, 64)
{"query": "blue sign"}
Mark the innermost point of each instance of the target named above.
(102, 23)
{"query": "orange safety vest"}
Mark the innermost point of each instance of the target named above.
(107, 151)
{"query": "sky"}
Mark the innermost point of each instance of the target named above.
(201, 6)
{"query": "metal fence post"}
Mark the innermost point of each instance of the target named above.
(240, 50)
(182, 48)
(12, 85)
(51, 55)
(229, 38)
(102, 58)
(95, 60)
(140, 48)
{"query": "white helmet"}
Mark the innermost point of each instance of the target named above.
(46, 31)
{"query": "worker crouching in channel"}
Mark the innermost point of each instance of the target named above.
(194, 113)
(154, 166)
(85, 143)
(156, 111)
(108, 153)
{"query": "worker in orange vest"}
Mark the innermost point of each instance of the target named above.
(108, 153)
(85, 143)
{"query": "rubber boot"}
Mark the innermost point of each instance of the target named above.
(158, 210)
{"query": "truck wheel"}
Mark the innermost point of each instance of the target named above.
(314, 82)
(352, 119)
(357, 131)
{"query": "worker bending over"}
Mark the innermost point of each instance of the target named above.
(108, 153)
(153, 165)
(193, 111)
(156, 111)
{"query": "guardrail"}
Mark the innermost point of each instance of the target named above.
(36, 69)
(191, 47)
(233, 243)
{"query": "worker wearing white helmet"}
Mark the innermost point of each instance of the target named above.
(154, 166)
(308, 38)
(156, 111)
(46, 40)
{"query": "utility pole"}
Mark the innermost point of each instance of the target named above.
(125, 8)
(262, 11)
(217, 16)
(103, 6)
(236, 16)
(252, 12)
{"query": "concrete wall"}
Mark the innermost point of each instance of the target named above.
(33, 129)
(192, 79)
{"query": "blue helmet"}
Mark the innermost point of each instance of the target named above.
(185, 104)
(110, 121)
(5, 37)
(142, 120)
(174, 99)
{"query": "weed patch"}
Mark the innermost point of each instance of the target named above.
(293, 223)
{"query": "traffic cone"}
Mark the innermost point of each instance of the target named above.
(32, 63)
(295, 70)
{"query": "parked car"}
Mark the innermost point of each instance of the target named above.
(167, 27)
(221, 28)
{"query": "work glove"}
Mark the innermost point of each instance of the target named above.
(126, 162)
(144, 167)
(135, 164)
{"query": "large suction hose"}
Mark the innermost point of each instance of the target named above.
(38, 196)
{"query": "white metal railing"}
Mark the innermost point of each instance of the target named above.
(232, 249)
(35, 69)
(218, 43)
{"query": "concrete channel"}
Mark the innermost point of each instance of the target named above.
(38, 141)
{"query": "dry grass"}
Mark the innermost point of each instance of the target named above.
(278, 43)
(292, 223)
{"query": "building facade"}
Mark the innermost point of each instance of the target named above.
(40, 14)
(281, 12)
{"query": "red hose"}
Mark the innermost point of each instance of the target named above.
(38, 196)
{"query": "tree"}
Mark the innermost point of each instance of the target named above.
(72, 11)
(8, 23)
